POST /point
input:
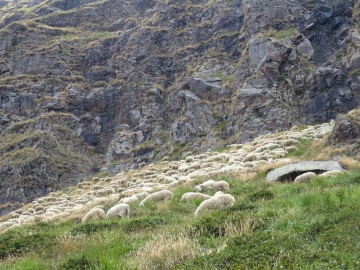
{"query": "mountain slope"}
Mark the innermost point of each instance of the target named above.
(93, 85)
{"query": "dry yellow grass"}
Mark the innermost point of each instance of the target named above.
(68, 244)
(245, 226)
(349, 163)
(164, 251)
(327, 153)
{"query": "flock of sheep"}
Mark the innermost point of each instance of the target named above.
(218, 201)
(154, 182)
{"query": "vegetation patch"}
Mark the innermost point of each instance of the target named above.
(19, 243)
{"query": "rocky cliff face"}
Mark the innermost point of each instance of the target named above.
(90, 85)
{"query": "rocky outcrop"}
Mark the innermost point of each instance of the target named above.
(346, 131)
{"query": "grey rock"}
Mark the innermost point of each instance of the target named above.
(355, 61)
(289, 172)
(306, 49)
(327, 93)
(246, 98)
(258, 49)
(346, 130)
(292, 56)
(355, 37)
(206, 88)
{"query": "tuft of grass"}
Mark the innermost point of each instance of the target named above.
(287, 33)
(164, 251)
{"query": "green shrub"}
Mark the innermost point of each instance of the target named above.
(90, 228)
(77, 263)
(261, 195)
(143, 223)
(14, 243)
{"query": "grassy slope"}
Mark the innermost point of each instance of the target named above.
(306, 226)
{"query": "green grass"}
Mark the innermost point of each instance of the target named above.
(271, 226)
(287, 33)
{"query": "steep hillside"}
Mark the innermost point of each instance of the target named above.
(279, 224)
(99, 86)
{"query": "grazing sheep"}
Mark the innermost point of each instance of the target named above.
(218, 201)
(97, 187)
(130, 199)
(5, 225)
(318, 135)
(59, 217)
(184, 168)
(15, 215)
(189, 196)
(119, 210)
(141, 195)
(93, 214)
(176, 183)
(158, 196)
(291, 148)
(120, 190)
(290, 142)
(305, 177)
(212, 185)
(250, 157)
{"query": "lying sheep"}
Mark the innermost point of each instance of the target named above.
(189, 196)
(93, 214)
(119, 210)
(331, 173)
(158, 196)
(212, 185)
(305, 177)
(218, 201)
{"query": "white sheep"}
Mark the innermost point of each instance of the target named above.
(130, 199)
(218, 201)
(291, 148)
(176, 183)
(93, 214)
(189, 196)
(119, 210)
(158, 196)
(212, 185)
(141, 195)
(250, 157)
(331, 173)
(290, 142)
(59, 217)
(305, 177)
(5, 225)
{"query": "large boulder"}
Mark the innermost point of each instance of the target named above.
(291, 171)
